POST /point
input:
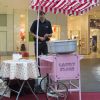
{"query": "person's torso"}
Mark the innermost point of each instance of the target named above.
(43, 28)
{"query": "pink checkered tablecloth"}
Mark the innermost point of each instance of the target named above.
(21, 69)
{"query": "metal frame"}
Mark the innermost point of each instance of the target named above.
(21, 87)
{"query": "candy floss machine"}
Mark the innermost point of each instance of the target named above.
(62, 46)
(62, 67)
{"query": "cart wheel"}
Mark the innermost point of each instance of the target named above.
(54, 93)
(44, 83)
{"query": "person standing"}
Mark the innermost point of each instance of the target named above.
(44, 33)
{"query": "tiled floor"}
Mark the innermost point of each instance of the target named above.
(90, 74)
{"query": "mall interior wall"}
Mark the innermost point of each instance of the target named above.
(10, 40)
(95, 31)
(23, 18)
(78, 26)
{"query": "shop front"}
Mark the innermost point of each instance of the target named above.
(86, 30)
(95, 34)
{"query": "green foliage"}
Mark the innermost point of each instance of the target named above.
(31, 38)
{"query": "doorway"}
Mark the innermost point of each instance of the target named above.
(94, 43)
(94, 40)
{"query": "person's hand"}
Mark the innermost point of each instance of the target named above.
(46, 36)
(41, 38)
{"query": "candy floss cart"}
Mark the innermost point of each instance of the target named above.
(62, 64)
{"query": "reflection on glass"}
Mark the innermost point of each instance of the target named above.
(56, 32)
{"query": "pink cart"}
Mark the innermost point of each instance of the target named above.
(64, 68)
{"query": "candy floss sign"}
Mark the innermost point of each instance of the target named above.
(67, 67)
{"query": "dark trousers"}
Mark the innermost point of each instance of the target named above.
(42, 49)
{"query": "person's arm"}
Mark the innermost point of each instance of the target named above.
(33, 31)
(40, 38)
(49, 34)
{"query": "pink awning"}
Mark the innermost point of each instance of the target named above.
(67, 7)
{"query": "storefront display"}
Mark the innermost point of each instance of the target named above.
(56, 32)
